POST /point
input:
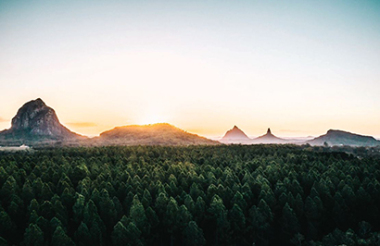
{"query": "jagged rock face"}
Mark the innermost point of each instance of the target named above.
(36, 119)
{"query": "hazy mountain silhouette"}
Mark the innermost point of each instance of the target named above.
(36, 122)
(155, 134)
(338, 137)
(268, 138)
(235, 135)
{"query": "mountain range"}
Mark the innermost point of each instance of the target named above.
(37, 124)
(331, 138)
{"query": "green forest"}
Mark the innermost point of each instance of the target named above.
(194, 195)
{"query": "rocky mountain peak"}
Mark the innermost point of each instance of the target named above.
(28, 113)
(36, 119)
(235, 135)
(268, 138)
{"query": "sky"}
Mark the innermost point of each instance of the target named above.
(298, 67)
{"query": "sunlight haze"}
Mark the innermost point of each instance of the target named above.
(300, 67)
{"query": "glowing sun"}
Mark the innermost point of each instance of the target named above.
(152, 118)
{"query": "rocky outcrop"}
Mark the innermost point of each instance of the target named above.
(34, 122)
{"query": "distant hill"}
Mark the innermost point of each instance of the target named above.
(36, 123)
(155, 134)
(338, 137)
(268, 138)
(235, 135)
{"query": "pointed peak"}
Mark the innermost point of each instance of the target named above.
(235, 134)
(37, 102)
(269, 138)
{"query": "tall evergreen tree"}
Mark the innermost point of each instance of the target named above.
(33, 236)
(61, 239)
(193, 235)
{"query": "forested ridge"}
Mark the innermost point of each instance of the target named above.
(196, 195)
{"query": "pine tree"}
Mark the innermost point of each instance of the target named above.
(193, 235)
(138, 216)
(133, 234)
(289, 222)
(237, 220)
(82, 235)
(219, 215)
(119, 235)
(33, 236)
(60, 238)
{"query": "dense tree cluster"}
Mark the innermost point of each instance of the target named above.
(196, 195)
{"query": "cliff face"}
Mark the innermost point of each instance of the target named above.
(36, 121)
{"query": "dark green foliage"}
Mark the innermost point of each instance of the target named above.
(60, 238)
(196, 195)
(3, 242)
(193, 235)
(218, 216)
(6, 224)
(289, 222)
(33, 236)
(138, 216)
(82, 235)
(237, 220)
(119, 234)
(133, 235)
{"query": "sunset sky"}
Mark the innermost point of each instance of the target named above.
(299, 67)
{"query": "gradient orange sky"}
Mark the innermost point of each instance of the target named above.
(203, 66)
